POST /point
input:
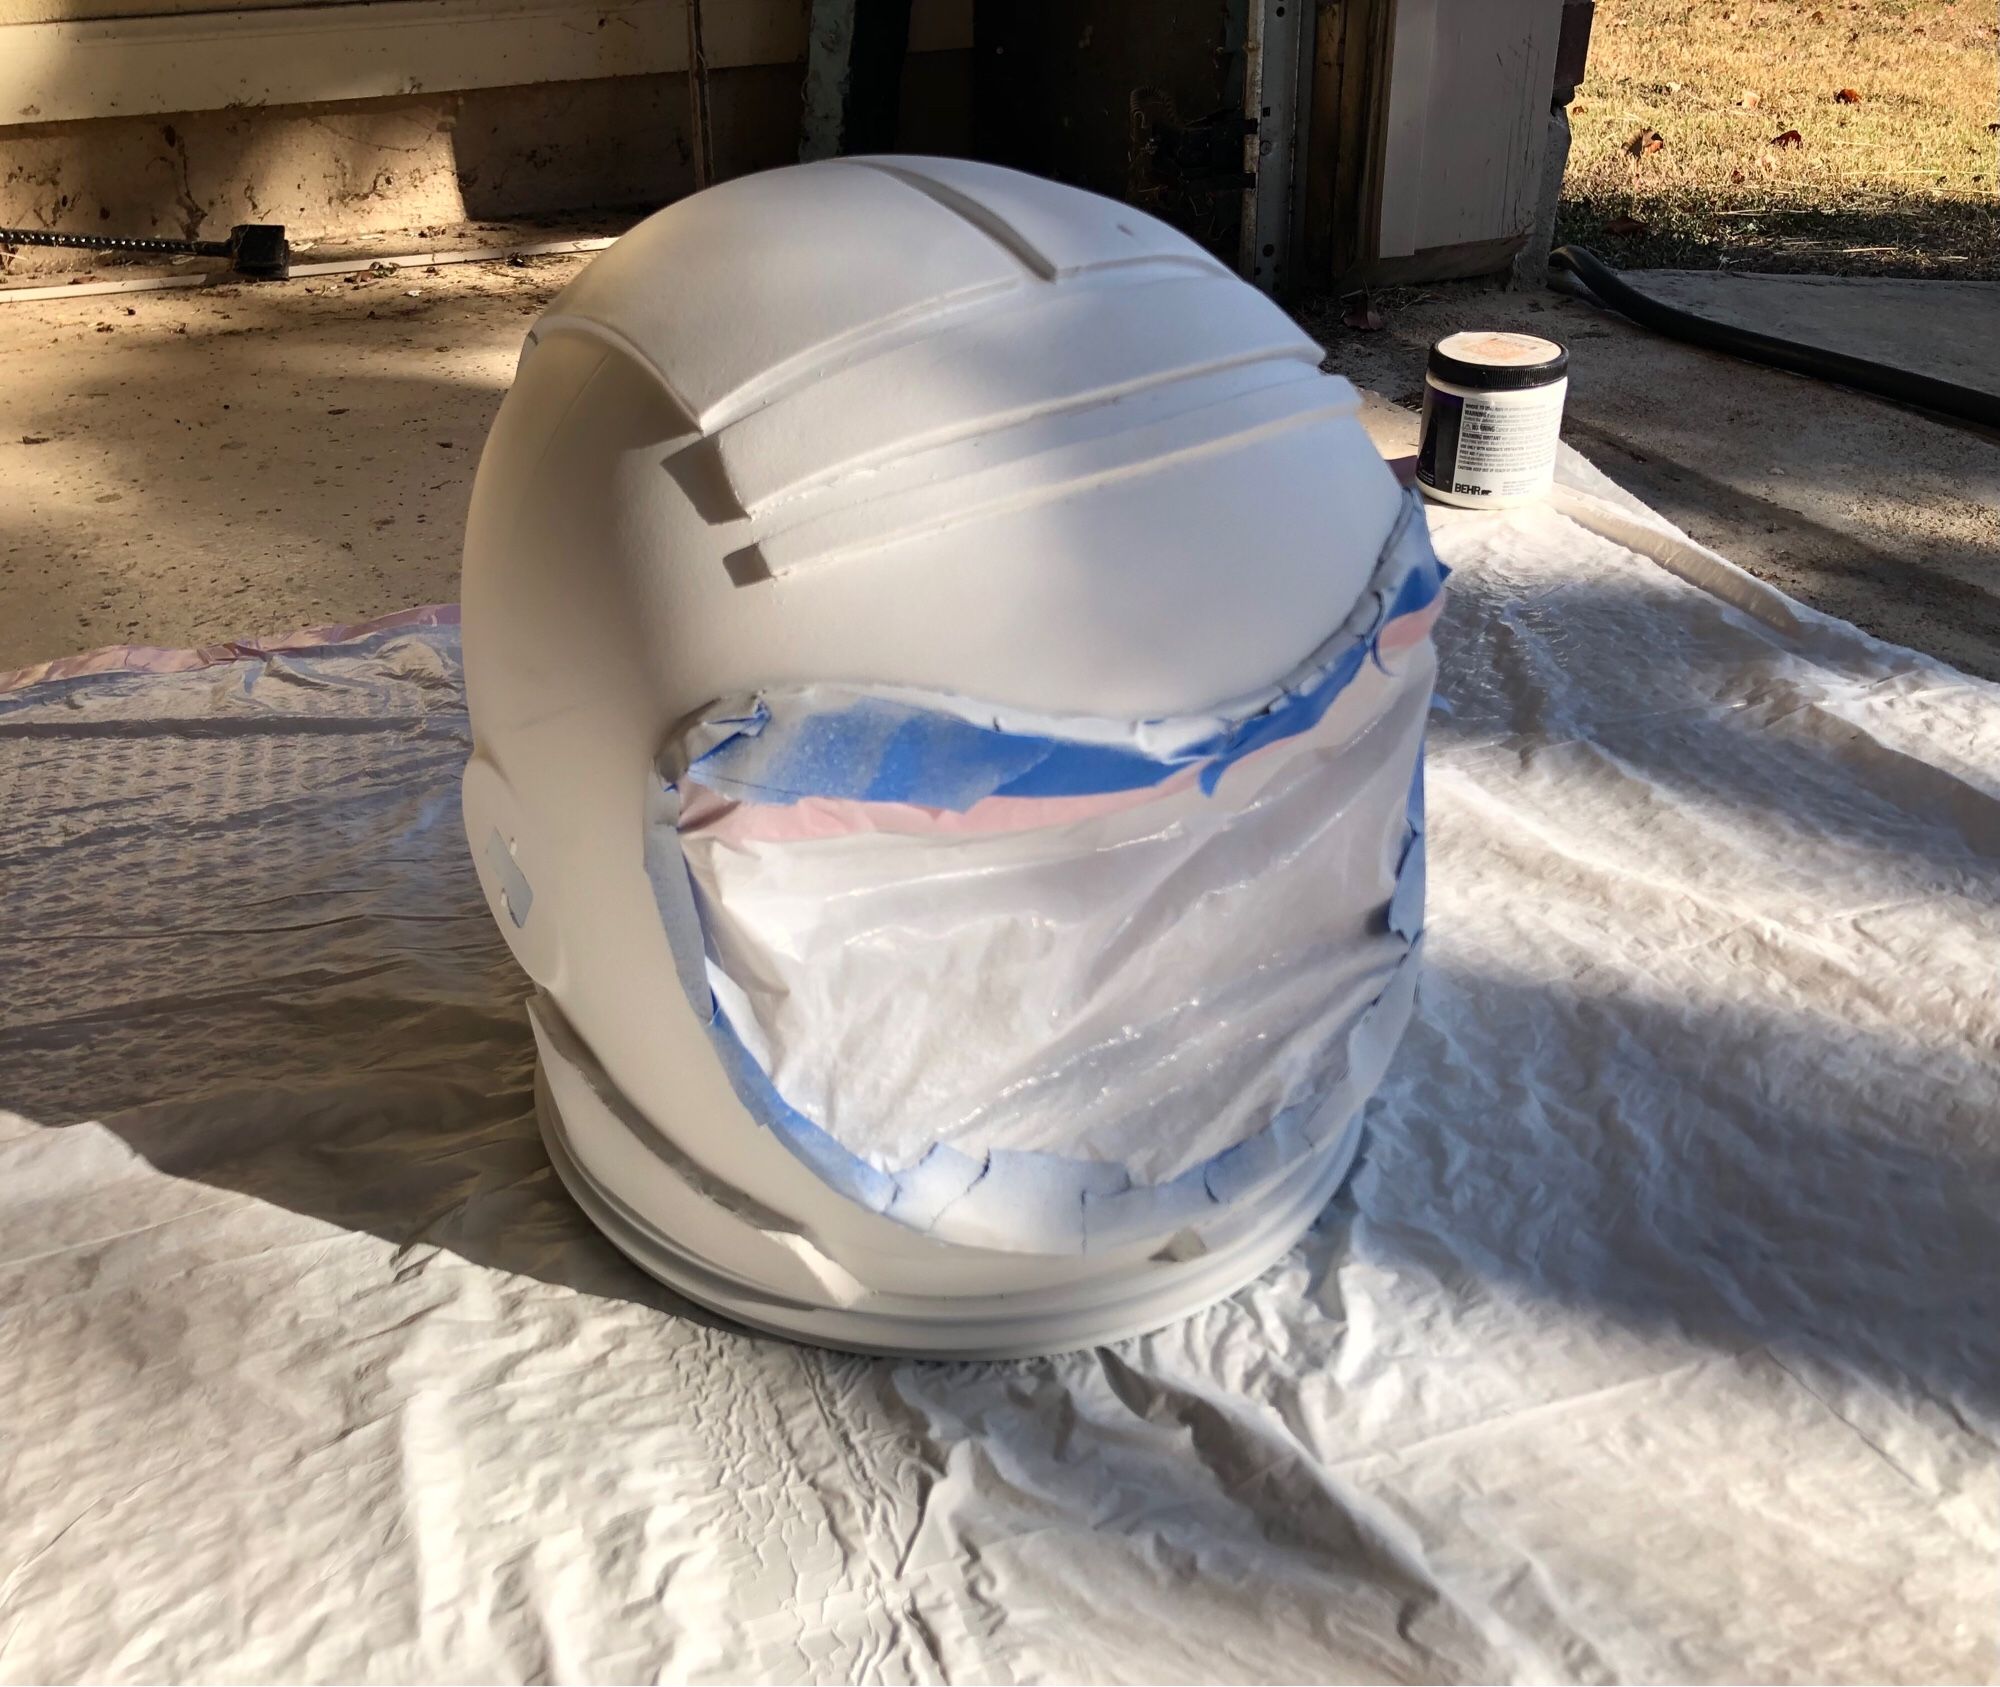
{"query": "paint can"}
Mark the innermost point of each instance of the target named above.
(1493, 407)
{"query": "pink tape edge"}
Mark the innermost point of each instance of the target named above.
(156, 659)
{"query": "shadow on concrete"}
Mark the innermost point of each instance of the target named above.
(238, 463)
(1942, 598)
(1946, 238)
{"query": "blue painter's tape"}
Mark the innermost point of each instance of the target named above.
(1406, 904)
(1297, 712)
(1294, 1131)
(674, 898)
(1111, 1215)
(884, 749)
(1036, 1200)
(1420, 586)
(1249, 1163)
(930, 1186)
(842, 1169)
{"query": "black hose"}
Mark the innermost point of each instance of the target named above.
(1928, 392)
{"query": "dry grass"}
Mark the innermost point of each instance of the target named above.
(1906, 182)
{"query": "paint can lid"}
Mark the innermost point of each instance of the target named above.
(1497, 362)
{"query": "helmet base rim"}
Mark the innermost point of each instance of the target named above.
(1050, 1319)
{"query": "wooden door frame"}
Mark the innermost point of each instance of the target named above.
(1341, 200)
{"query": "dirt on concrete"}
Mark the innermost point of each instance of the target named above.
(246, 459)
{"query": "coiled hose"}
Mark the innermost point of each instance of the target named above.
(1906, 386)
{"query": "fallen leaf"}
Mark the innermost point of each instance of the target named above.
(1736, 176)
(1750, 99)
(1790, 138)
(1817, 17)
(1627, 226)
(1847, 96)
(1364, 317)
(1645, 141)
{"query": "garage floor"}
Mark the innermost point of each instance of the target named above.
(193, 466)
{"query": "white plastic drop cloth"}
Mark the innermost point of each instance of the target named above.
(1656, 1337)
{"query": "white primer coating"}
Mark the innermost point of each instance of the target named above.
(1135, 517)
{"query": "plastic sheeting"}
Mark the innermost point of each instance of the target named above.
(1657, 1335)
(1052, 983)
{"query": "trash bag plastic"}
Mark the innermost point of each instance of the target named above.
(1026, 978)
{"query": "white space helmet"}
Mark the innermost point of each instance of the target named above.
(948, 675)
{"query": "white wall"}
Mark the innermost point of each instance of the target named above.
(352, 118)
(57, 66)
(1468, 121)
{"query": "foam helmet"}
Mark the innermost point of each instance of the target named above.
(947, 673)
